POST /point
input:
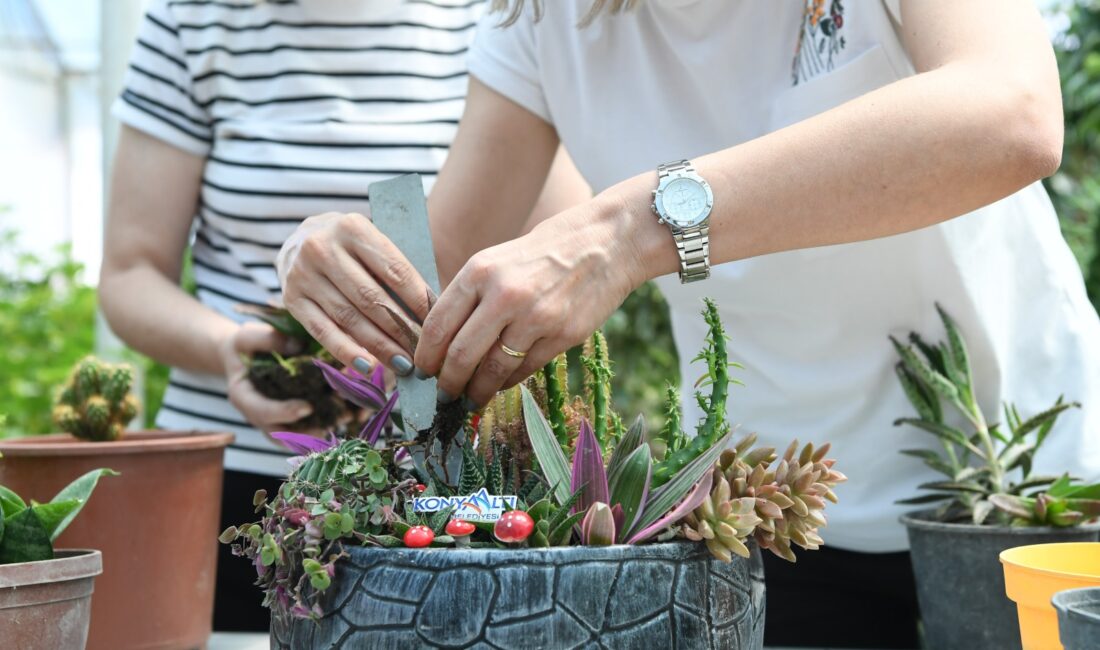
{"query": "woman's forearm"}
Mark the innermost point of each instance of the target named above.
(157, 318)
(909, 155)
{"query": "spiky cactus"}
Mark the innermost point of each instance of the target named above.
(95, 403)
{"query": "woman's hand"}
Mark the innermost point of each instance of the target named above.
(264, 413)
(335, 270)
(538, 295)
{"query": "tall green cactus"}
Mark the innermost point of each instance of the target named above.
(597, 384)
(96, 404)
(713, 425)
(556, 376)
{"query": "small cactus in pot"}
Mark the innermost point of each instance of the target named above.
(95, 403)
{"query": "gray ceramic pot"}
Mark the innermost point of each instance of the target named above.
(960, 581)
(1079, 618)
(650, 596)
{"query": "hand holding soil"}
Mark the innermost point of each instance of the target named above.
(260, 339)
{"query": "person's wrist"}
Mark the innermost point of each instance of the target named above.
(223, 339)
(645, 247)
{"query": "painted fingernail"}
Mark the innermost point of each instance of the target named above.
(443, 397)
(420, 374)
(469, 404)
(402, 365)
(362, 365)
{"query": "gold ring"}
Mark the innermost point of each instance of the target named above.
(512, 353)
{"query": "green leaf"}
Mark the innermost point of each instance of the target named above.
(665, 498)
(1082, 492)
(545, 445)
(630, 441)
(52, 514)
(10, 502)
(1061, 487)
(25, 539)
(920, 396)
(1045, 419)
(957, 351)
(924, 498)
(80, 489)
(942, 431)
(931, 459)
(559, 535)
(630, 486)
(953, 486)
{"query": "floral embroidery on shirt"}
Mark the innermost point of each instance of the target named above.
(819, 39)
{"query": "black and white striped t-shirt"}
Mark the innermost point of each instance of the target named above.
(297, 107)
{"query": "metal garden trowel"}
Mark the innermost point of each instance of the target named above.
(400, 211)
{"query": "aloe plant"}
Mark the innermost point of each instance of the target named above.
(988, 469)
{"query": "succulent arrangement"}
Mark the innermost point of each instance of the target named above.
(987, 465)
(95, 403)
(27, 532)
(565, 467)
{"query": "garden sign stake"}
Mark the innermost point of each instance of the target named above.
(400, 212)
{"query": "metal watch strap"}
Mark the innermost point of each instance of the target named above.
(692, 244)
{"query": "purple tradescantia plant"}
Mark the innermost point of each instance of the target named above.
(617, 501)
(363, 391)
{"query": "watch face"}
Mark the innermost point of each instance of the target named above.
(685, 202)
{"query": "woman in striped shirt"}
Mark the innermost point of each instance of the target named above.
(240, 119)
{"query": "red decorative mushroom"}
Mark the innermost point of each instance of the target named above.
(420, 487)
(460, 530)
(419, 537)
(514, 526)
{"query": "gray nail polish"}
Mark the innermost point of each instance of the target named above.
(361, 365)
(469, 404)
(421, 375)
(401, 365)
(443, 397)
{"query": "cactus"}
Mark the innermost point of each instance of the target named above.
(597, 385)
(714, 424)
(96, 403)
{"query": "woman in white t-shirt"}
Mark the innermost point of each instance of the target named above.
(866, 160)
(240, 119)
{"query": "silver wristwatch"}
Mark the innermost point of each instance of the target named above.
(683, 202)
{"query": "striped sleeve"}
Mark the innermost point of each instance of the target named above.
(157, 96)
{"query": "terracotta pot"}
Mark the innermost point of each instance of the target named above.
(46, 605)
(156, 525)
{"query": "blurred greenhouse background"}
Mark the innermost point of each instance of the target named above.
(63, 60)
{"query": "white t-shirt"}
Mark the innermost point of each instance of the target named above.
(297, 107)
(679, 78)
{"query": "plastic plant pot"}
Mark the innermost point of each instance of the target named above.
(1033, 574)
(1078, 618)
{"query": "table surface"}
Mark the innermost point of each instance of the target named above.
(246, 641)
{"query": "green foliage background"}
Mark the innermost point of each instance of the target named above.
(47, 313)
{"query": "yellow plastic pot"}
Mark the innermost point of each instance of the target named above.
(1033, 574)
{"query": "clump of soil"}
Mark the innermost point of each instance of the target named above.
(298, 378)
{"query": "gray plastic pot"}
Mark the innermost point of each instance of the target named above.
(960, 581)
(1078, 618)
(47, 605)
(650, 596)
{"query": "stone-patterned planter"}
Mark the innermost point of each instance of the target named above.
(651, 596)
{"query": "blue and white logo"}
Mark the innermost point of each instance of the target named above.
(479, 506)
